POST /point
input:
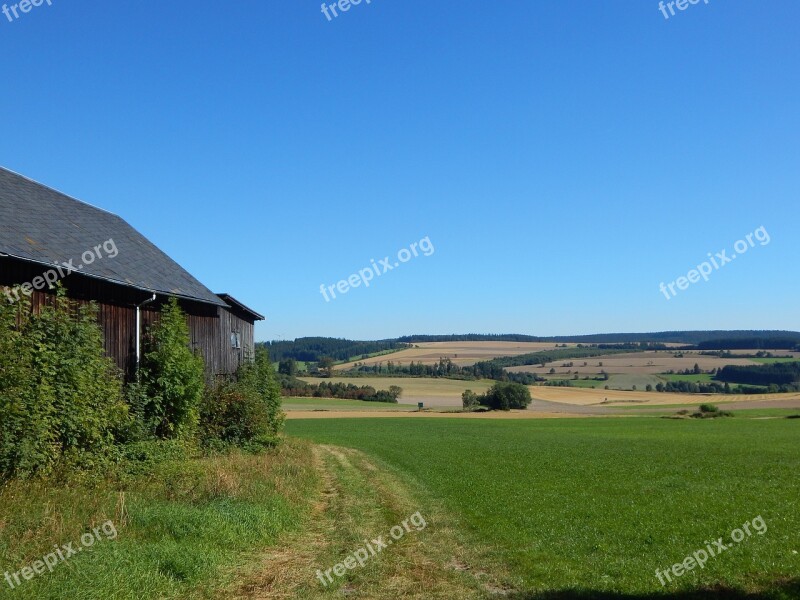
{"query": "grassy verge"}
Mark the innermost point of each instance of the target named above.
(596, 506)
(183, 528)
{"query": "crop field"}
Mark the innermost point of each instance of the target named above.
(575, 508)
(295, 403)
(626, 371)
(781, 359)
(698, 378)
(620, 381)
(635, 363)
(433, 392)
(446, 393)
(461, 353)
(779, 353)
(587, 397)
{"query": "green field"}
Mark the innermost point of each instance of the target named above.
(693, 378)
(581, 383)
(290, 404)
(770, 361)
(590, 505)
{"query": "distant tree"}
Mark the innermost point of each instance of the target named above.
(469, 399)
(326, 364)
(288, 367)
(697, 369)
(395, 391)
(649, 388)
(552, 371)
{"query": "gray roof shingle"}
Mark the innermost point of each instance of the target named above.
(41, 225)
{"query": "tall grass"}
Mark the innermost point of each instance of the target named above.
(183, 528)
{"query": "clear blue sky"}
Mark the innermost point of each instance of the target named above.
(564, 158)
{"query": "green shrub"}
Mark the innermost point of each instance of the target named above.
(60, 396)
(469, 399)
(244, 411)
(172, 378)
(711, 411)
(505, 395)
(266, 384)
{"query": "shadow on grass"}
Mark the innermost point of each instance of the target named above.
(779, 591)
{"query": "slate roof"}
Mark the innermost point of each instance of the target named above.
(40, 225)
(235, 304)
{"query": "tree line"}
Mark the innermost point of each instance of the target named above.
(313, 349)
(779, 374)
(291, 386)
(754, 343)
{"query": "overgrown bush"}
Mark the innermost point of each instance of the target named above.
(711, 411)
(172, 378)
(62, 403)
(60, 396)
(244, 411)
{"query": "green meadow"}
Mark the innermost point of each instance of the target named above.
(580, 507)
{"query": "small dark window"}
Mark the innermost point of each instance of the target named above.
(236, 340)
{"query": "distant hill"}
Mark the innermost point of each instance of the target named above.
(311, 349)
(680, 337)
(664, 337)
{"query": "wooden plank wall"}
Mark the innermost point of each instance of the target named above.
(209, 326)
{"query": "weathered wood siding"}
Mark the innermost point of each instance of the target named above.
(210, 327)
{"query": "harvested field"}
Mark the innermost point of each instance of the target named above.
(635, 363)
(461, 353)
(587, 397)
(433, 392)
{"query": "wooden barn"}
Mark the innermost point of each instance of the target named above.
(46, 236)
